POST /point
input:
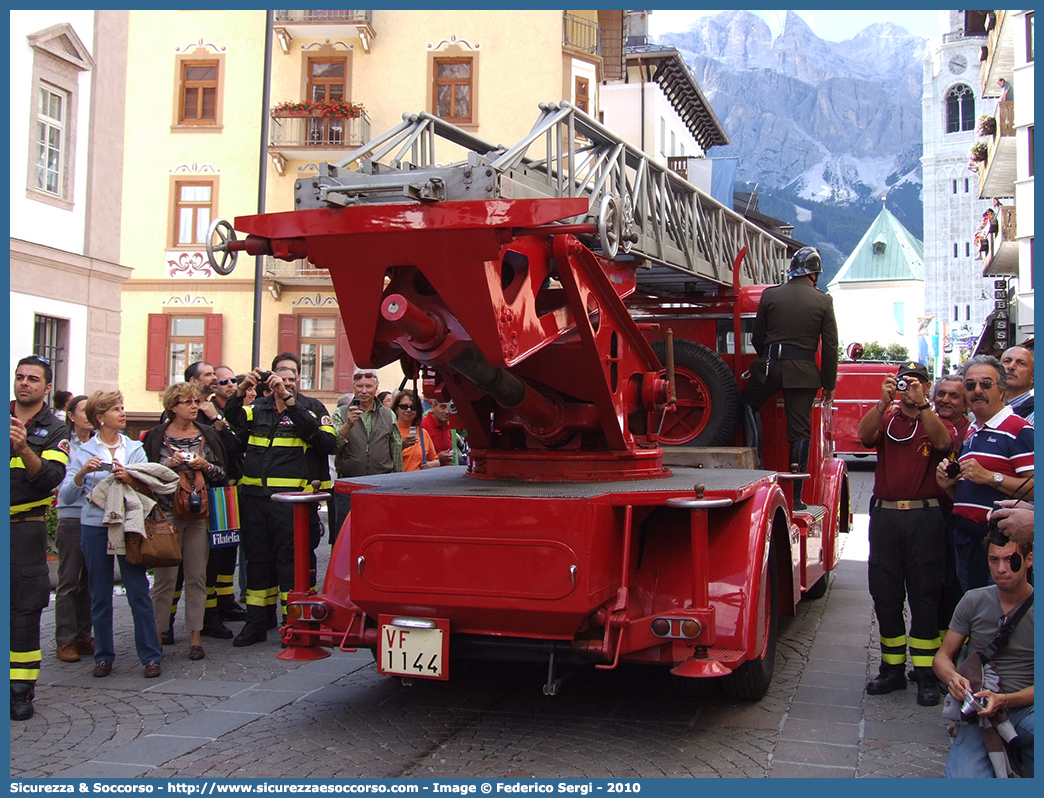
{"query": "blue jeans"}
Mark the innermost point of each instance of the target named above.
(968, 758)
(94, 543)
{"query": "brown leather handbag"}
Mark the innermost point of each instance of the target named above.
(158, 547)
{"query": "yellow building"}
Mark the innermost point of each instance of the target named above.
(196, 115)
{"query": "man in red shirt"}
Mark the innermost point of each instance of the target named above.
(907, 530)
(436, 424)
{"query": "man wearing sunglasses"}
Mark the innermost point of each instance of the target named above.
(996, 463)
(368, 441)
(907, 530)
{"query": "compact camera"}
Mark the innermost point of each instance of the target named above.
(355, 403)
(972, 706)
(105, 466)
(902, 384)
(263, 376)
(953, 469)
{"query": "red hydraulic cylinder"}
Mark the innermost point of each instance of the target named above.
(425, 331)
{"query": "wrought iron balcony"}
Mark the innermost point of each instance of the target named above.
(322, 16)
(581, 34)
(997, 174)
(320, 23)
(293, 137)
(1002, 255)
(294, 272)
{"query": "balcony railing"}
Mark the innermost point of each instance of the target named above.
(997, 175)
(1002, 255)
(581, 34)
(679, 164)
(323, 16)
(1000, 54)
(318, 132)
(297, 270)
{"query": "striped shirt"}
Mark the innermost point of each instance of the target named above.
(1003, 444)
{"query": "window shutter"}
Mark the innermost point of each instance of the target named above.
(288, 334)
(156, 353)
(212, 334)
(344, 363)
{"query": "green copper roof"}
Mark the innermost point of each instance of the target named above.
(886, 252)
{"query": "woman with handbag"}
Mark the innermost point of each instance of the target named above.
(108, 452)
(195, 451)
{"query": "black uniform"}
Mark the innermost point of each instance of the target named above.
(48, 437)
(284, 452)
(791, 320)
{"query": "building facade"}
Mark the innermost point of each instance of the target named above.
(334, 80)
(1006, 173)
(879, 291)
(955, 292)
(68, 71)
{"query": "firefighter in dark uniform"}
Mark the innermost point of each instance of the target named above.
(907, 528)
(39, 454)
(792, 319)
(289, 440)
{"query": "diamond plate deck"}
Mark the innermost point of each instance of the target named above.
(454, 481)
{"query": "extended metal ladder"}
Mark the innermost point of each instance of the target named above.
(684, 241)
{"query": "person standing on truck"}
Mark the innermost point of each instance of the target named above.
(289, 440)
(907, 530)
(1018, 364)
(792, 319)
(996, 463)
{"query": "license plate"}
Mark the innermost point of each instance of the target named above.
(413, 647)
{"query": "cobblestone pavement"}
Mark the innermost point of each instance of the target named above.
(243, 713)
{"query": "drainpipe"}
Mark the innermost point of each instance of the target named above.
(641, 74)
(262, 187)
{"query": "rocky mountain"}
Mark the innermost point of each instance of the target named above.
(827, 122)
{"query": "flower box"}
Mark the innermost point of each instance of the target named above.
(326, 109)
(987, 126)
(977, 151)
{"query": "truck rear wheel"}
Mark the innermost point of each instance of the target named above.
(751, 680)
(708, 397)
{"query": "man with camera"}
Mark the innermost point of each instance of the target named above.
(907, 531)
(978, 617)
(996, 463)
(289, 440)
(368, 441)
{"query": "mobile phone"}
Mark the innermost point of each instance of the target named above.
(413, 430)
(355, 403)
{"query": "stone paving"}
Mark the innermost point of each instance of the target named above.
(244, 713)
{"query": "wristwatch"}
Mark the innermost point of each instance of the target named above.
(998, 478)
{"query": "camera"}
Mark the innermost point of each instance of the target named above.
(972, 706)
(263, 376)
(105, 466)
(902, 384)
(189, 456)
(355, 403)
(953, 469)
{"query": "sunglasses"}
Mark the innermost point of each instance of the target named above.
(969, 385)
(188, 401)
(364, 374)
(225, 381)
(39, 359)
(405, 407)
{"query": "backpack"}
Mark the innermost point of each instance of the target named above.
(190, 496)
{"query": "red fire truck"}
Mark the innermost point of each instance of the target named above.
(858, 389)
(588, 314)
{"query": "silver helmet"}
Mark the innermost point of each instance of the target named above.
(806, 261)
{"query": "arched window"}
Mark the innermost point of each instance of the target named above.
(960, 109)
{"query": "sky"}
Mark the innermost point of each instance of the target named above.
(835, 26)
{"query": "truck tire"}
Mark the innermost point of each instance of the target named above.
(708, 397)
(751, 680)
